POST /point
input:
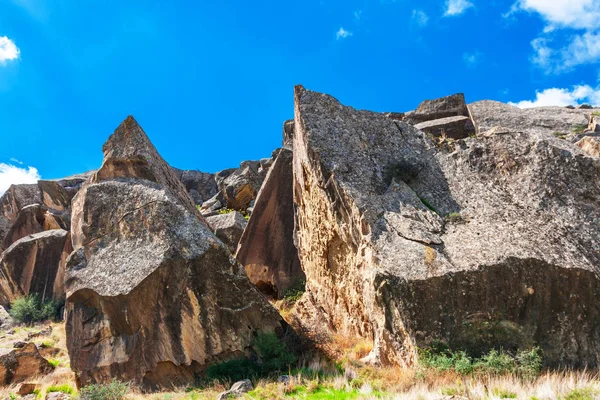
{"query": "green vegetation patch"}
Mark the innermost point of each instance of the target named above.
(114, 390)
(61, 388)
(30, 309)
(295, 291)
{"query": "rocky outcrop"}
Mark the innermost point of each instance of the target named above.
(152, 296)
(267, 248)
(558, 121)
(35, 264)
(240, 188)
(201, 186)
(445, 117)
(490, 243)
(34, 219)
(22, 364)
(590, 145)
(228, 227)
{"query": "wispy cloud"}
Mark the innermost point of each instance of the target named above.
(562, 97)
(16, 161)
(571, 36)
(11, 175)
(358, 14)
(342, 34)
(419, 17)
(8, 50)
(472, 59)
(456, 7)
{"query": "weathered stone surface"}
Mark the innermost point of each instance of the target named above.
(267, 248)
(288, 133)
(27, 388)
(429, 110)
(549, 120)
(6, 321)
(590, 145)
(152, 296)
(241, 187)
(452, 127)
(34, 219)
(399, 116)
(35, 264)
(228, 227)
(201, 186)
(237, 390)
(22, 364)
(404, 243)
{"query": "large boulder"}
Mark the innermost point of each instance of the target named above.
(228, 227)
(22, 364)
(267, 248)
(35, 264)
(34, 219)
(241, 187)
(153, 297)
(201, 186)
(447, 116)
(491, 243)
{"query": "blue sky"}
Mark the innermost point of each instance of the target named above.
(212, 82)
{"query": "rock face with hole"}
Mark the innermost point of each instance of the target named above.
(152, 296)
(490, 243)
(35, 264)
(267, 248)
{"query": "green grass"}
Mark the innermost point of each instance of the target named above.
(61, 388)
(581, 394)
(53, 362)
(579, 128)
(596, 113)
(114, 390)
(294, 292)
(318, 393)
(526, 364)
(225, 211)
(504, 394)
(560, 135)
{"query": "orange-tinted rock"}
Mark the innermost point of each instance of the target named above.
(22, 364)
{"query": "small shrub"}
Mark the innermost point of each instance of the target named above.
(54, 363)
(114, 390)
(496, 362)
(295, 291)
(225, 211)
(274, 357)
(504, 394)
(579, 128)
(61, 388)
(30, 309)
(529, 363)
(586, 393)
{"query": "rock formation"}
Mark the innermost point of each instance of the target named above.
(228, 227)
(19, 365)
(448, 116)
(267, 248)
(34, 219)
(590, 145)
(489, 242)
(152, 296)
(201, 186)
(35, 264)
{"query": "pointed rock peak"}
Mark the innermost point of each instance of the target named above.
(129, 153)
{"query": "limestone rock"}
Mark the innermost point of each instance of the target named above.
(33, 219)
(152, 296)
(386, 261)
(242, 186)
(35, 264)
(228, 227)
(267, 248)
(590, 145)
(201, 186)
(458, 127)
(22, 364)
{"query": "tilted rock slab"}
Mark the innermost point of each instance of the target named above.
(35, 264)
(404, 243)
(22, 364)
(228, 227)
(34, 219)
(267, 248)
(152, 296)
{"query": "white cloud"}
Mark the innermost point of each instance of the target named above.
(577, 14)
(16, 161)
(456, 7)
(472, 59)
(10, 175)
(419, 17)
(562, 97)
(342, 34)
(8, 50)
(571, 36)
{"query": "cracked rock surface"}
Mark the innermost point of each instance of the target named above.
(490, 241)
(152, 296)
